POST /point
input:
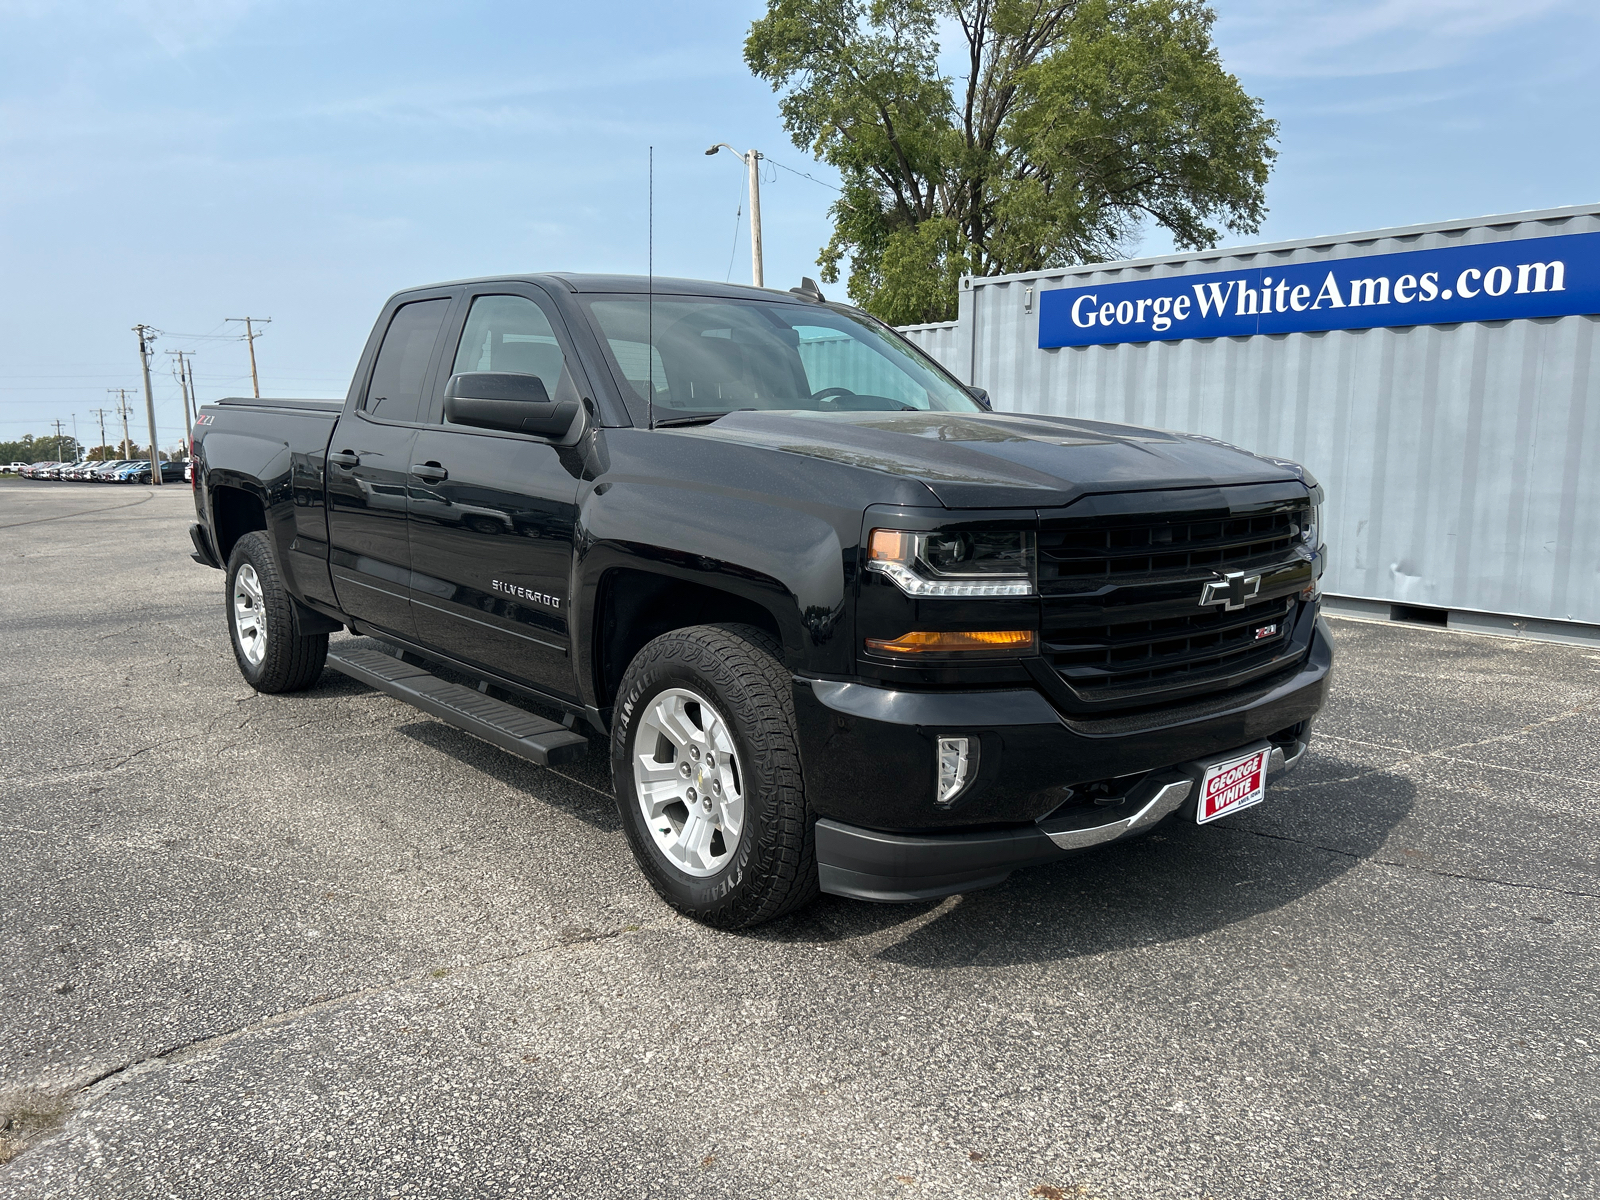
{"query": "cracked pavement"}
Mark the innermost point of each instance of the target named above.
(293, 946)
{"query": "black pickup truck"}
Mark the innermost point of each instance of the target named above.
(846, 628)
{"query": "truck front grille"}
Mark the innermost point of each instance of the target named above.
(1123, 622)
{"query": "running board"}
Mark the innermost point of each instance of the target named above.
(496, 722)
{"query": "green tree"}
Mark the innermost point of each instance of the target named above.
(1075, 124)
(32, 449)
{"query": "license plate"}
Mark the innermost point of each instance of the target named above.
(1230, 786)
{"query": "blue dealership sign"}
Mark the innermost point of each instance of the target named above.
(1493, 281)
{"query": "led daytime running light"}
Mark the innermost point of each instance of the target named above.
(915, 585)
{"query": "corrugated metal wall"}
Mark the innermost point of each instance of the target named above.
(940, 340)
(841, 362)
(1462, 462)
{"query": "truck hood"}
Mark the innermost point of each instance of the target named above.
(1004, 460)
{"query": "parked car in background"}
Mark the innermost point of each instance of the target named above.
(106, 471)
(32, 470)
(129, 471)
(171, 472)
(12, 468)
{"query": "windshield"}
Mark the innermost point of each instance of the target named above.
(706, 357)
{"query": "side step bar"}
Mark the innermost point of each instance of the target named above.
(500, 724)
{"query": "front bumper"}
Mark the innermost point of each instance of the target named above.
(869, 760)
(865, 864)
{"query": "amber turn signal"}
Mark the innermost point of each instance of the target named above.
(986, 641)
(890, 545)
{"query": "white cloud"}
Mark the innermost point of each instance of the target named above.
(1368, 37)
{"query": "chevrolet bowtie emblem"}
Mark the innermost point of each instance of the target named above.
(1231, 591)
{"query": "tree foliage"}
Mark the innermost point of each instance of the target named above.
(1071, 126)
(30, 449)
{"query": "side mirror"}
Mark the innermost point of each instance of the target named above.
(509, 402)
(981, 396)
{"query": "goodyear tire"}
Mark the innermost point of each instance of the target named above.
(273, 656)
(706, 762)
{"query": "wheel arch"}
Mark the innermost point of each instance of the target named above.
(235, 511)
(634, 606)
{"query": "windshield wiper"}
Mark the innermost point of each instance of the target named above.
(698, 418)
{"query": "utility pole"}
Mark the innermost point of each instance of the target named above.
(752, 162)
(194, 399)
(57, 424)
(251, 333)
(183, 386)
(101, 413)
(146, 336)
(122, 410)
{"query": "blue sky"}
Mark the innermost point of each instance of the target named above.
(177, 162)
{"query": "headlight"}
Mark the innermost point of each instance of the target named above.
(1311, 530)
(954, 564)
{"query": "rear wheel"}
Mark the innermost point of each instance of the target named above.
(272, 655)
(706, 763)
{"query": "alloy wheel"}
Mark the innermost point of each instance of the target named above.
(687, 778)
(249, 615)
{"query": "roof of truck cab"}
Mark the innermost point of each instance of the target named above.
(640, 284)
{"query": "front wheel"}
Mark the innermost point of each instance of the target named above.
(272, 655)
(706, 763)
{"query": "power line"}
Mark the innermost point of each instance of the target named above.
(738, 220)
(804, 175)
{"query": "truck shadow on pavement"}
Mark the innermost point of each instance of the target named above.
(1180, 882)
(565, 789)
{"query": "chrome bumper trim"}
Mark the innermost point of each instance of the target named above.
(1279, 762)
(1157, 797)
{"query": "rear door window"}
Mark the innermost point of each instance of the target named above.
(398, 377)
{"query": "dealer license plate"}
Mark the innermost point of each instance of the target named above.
(1230, 786)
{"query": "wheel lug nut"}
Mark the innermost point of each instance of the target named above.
(707, 804)
(694, 751)
(716, 786)
(683, 769)
(693, 795)
(711, 760)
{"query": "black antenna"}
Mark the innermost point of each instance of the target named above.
(650, 301)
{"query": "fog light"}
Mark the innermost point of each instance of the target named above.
(958, 765)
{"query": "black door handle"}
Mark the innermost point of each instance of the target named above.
(429, 470)
(345, 458)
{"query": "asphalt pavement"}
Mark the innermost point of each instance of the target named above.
(325, 945)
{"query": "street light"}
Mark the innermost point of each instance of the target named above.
(752, 162)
